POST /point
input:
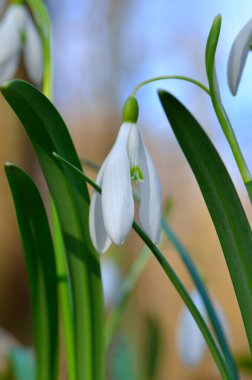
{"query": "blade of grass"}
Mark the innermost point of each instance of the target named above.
(48, 133)
(222, 201)
(41, 267)
(64, 292)
(44, 26)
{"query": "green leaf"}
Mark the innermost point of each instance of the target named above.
(221, 198)
(48, 133)
(41, 267)
(22, 364)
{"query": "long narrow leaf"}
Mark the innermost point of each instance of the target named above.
(41, 267)
(220, 362)
(199, 284)
(48, 132)
(221, 198)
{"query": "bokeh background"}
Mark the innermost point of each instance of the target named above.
(101, 51)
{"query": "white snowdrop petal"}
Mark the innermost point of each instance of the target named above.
(8, 68)
(117, 197)
(11, 27)
(238, 56)
(150, 196)
(134, 141)
(110, 281)
(190, 342)
(33, 55)
(97, 229)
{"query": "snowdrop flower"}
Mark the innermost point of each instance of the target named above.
(18, 32)
(190, 342)
(238, 56)
(111, 279)
(111, 213)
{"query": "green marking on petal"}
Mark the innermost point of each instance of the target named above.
(23, 37)
(136, 174)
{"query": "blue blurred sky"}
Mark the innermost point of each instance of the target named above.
(104, 48)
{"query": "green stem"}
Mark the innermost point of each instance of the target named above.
(164, 77)
(44, 26)
(87, 179)
(229, 133)
(90, 164)
(220, 111)
(195, 276)
(219, 360)
(221, 115)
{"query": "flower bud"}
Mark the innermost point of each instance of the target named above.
(130, 110)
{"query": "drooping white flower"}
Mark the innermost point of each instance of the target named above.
(238, 56)
(18, 33)
(111, 279)
(190, 341)
(111, 213)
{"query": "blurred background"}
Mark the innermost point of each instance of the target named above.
(101, 51)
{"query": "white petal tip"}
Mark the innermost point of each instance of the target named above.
(238, 56)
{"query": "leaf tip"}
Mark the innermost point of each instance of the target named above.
(8, 165)
(218, 19)
(55, 155)
(162, 94)
(4, 86)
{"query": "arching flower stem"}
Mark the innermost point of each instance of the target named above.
(165, 77)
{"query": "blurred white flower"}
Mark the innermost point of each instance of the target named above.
(111, 279)
(190, 342)
(18, 32)
(238, 56)
(112, 212)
